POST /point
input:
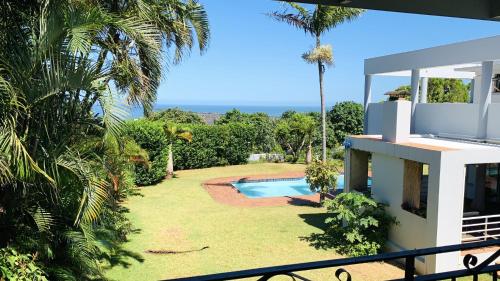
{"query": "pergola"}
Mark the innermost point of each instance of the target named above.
(472, 9)
(477, 60)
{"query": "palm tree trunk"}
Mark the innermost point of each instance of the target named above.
(309, 154)
(170, 163)
(323, 109)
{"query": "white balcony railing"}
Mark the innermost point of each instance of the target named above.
(480, 228)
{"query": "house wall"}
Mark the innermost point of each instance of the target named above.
(443, 119)
(412, 231)
(493, 130)
(458, 119)
(375, 118)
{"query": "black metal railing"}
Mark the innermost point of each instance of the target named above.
(470, 262)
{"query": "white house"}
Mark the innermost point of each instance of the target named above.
(436, 165)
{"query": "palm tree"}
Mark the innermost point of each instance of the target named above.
(137, 65)
(173, 132)
(58, 172)
(316, 22)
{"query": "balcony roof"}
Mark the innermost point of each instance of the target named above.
(458, 60)
(472, 9)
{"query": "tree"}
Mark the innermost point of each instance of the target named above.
(136, 62)
(346, 119)
(59, 59)
(172, 133)
(321, 177)
(263, 127)
(178, 116)
(317, 22)
(444, 90)
(295, 132)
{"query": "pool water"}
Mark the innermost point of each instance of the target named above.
(278, 188)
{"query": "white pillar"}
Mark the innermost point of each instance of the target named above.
(476, 91)
(471, 91)
(485, 97)
(415, 81)
(423, 90)
(367, 101)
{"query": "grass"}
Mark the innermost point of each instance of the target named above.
(179, 215)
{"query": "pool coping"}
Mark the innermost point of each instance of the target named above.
(222, 191)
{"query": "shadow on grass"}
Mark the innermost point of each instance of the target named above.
(121, 257)
(319, 241)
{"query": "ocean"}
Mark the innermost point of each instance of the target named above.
(274, 111)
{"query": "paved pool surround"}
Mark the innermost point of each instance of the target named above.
(222, 191)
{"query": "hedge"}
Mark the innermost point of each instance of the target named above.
(150, 136)
(214, 145)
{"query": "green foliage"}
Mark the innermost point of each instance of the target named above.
(176, 115)
(63, 169)
(151, 137)
(356, 225)
(19, 267)
(322, 176)
(214, 145)
(346, 119)
(263, 138)
(294, 132)
(444, 90)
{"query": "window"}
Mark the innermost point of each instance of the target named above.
(415, 187)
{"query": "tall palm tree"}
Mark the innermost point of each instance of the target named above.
(316, 22)
(136, 65)
(173, 132)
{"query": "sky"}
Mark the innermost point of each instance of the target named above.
(254, 60)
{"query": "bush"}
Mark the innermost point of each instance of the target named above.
(21, 267)
(150, 136)
(214, 145)
(347, 119)
(263, 140)
(177, 115)
(322, 176)
(356, 225)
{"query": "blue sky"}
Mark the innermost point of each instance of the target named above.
(253, 60)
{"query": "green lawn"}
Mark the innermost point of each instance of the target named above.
(179, 215)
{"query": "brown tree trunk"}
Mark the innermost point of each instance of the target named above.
(323, 107)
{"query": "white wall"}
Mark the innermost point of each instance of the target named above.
(458, 119)
(493, 129)
(375, 118)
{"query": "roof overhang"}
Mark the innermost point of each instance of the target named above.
(458, 60)
(472, 9)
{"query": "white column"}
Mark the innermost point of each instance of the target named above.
(423, 90)
(415, 81)
(485, 97)
(367, 101)
(476, 91)
(472, 89)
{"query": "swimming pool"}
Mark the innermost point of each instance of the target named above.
(279, 187)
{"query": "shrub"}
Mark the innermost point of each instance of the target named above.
(347, 119)
(357, 225)
(20, 267)
(322, 176)
(214, 145)
(177, 115)
(263, 128)
(151, 137)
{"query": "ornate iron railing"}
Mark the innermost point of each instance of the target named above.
(471, 266)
